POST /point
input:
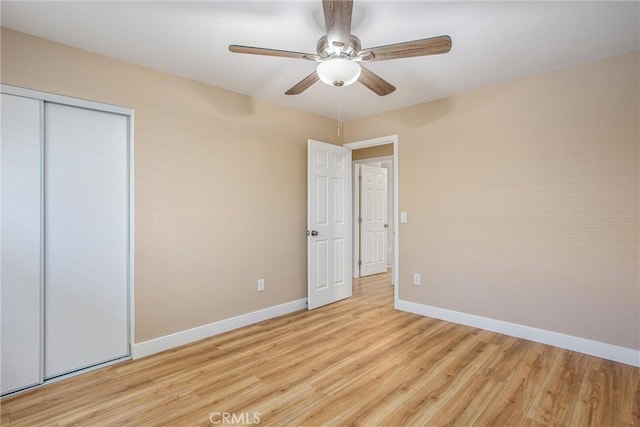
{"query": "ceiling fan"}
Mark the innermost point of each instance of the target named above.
(340, 55)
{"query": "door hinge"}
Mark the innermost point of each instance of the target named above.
(359, 262)
(359, 220)
(359, 177)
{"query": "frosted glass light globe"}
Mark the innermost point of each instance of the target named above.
(338, 72)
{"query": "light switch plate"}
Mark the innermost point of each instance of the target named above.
(403, 217)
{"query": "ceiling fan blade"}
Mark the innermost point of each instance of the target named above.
(374, 82)
(337, 19)
(272, 52)
(303, 84)
(422, 47)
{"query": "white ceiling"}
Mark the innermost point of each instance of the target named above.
(493, 42)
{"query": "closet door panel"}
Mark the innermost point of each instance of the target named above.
(20, 259)
(86, 238)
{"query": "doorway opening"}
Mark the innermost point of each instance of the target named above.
(372, 213)
(375, 155)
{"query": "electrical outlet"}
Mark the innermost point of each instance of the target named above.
(417, 279)
(260, 285)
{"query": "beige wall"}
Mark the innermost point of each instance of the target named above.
(220, 184)
(523, 200)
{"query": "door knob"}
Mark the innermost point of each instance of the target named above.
(386, 226)
(313, 233)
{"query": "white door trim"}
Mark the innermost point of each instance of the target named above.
(391, 139)
(66, 100)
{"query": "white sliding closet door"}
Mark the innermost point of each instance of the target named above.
(85, 238)
(21, 243)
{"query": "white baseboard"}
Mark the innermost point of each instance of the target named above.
(156, 345)
(582, 345)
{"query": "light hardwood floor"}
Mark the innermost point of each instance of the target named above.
(355, 362)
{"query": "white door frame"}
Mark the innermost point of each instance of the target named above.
(391, 139)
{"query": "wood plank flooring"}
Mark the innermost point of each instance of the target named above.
(356, 362)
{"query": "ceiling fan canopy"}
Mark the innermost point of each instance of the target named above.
(340, 55)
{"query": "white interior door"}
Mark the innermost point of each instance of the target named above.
(328, 223)
(373, 224)
(20, 260)
(86, 238)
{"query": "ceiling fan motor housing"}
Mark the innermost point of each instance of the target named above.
(338, 50)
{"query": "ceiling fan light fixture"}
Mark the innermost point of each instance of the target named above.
(339, 72)
(340, 53)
